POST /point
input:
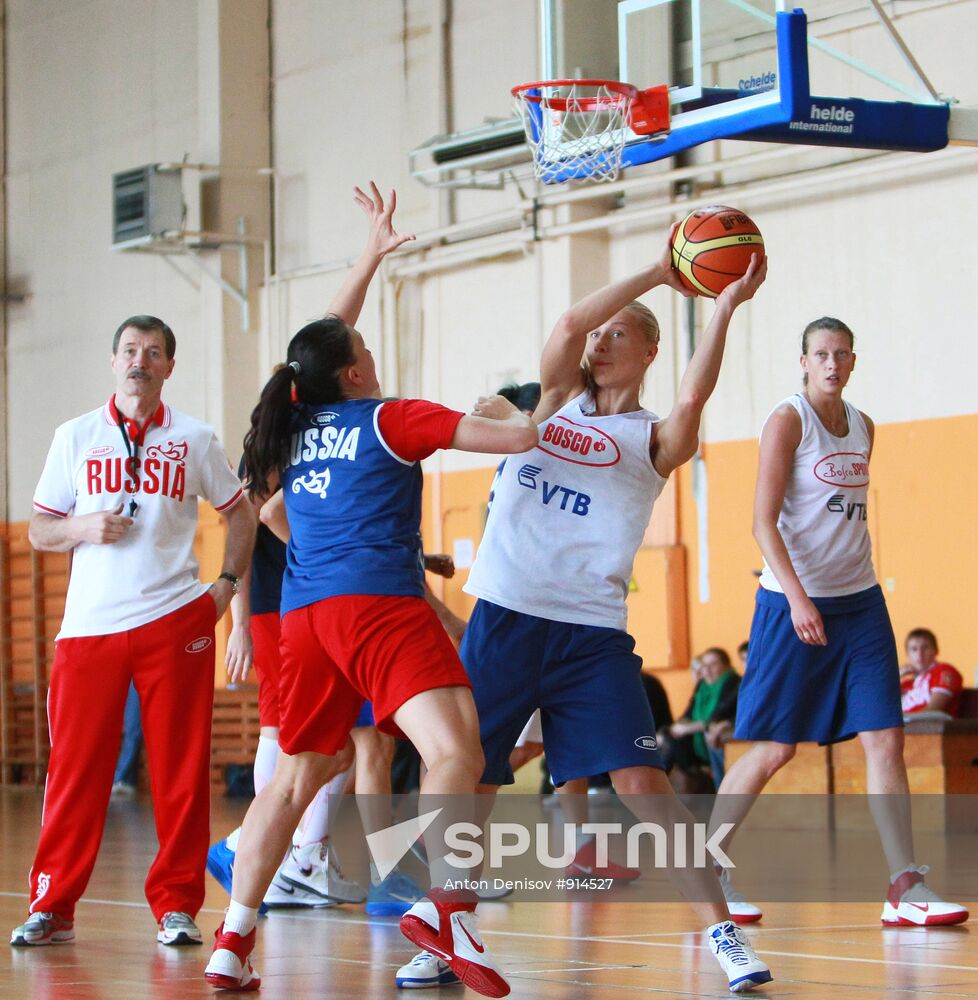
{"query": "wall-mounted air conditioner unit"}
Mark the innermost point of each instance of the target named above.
(146, 203)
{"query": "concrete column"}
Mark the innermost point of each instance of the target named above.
(4, 488)
(235, 132)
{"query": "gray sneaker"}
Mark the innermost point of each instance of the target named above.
(43, 928)
(315, 869)
(178, 928)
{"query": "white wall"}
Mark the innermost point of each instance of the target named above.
(92, 90)
(101, 86)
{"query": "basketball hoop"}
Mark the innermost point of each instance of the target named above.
(578, 128)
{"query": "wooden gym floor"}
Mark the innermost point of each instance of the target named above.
(549, 950)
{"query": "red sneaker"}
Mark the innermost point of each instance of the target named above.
(444, 924)
(230, 967)
(585, 865)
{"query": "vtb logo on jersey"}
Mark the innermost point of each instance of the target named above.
(839, 505)
(552, 494)
(578, 443)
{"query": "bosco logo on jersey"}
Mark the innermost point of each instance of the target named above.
(578, 443)
(848, 469)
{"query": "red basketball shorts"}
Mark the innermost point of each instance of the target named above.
(341, 650)
(266, 633)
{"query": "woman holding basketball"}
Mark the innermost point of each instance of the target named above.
(551, 575)
(822, 661)
(355, 623)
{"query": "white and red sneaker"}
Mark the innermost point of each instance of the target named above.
(741, 912)
(230, 967)
(911, 902)
(443, 923)
(585, 865)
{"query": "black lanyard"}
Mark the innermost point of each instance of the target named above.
(132, 450)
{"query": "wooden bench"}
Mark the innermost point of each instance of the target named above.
(234, 736)
(941, 756)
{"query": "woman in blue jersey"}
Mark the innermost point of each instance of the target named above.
(551, 576)
(822, 661)
(355, 623)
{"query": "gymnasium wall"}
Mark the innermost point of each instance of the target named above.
(92, 90)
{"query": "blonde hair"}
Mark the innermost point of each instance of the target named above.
(647, 320)
(648, 326)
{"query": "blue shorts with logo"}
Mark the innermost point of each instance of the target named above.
(796, 693)
(585, 679)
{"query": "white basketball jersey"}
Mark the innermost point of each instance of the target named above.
(568, 516)
(823, 519)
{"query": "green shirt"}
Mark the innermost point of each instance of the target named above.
(706, 698)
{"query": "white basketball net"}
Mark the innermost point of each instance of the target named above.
(575, 128)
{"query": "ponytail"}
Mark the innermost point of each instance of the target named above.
(315, 360)
(266, 445)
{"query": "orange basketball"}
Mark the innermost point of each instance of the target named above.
(712, 248)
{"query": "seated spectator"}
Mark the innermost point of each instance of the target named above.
(926, 684)
(697, 738)
(742, 656)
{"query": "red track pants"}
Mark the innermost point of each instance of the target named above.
(171, 661)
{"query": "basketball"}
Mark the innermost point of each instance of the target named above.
(712, 247)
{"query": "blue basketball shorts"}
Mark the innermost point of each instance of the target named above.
(586, 681)
(366, 716)
(796, 693)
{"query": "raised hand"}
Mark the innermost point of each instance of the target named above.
(669, 274)
(744, 288)
(382, 239)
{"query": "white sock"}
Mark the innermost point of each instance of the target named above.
(240, 919)
(375, 878)
(895, 875)
(266, 757)
(315, 823)
(231, 840)
(442, 873)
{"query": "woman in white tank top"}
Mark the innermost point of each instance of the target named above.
(821, 662)
(549, 628)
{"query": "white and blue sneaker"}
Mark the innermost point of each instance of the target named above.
(394, 896)
(423, 972)
(736, 956)
(220, 863)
